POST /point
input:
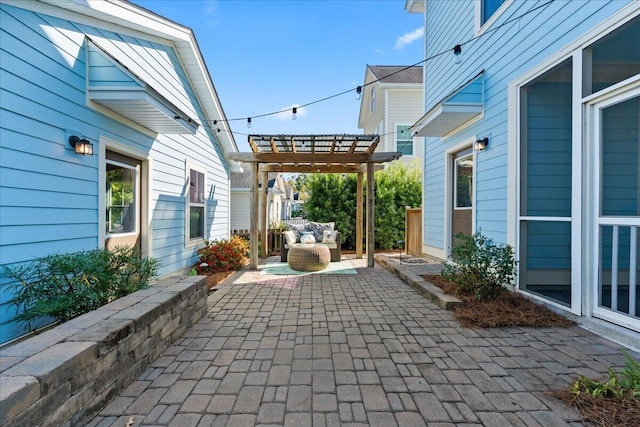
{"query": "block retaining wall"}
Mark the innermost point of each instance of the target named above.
(66, 375)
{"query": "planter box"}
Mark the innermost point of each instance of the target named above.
(67, 374)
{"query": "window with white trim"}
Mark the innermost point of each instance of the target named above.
(463, 192)
(404, 140)
(121, 198)
(196, 204)
(488, 8)
(372, 101)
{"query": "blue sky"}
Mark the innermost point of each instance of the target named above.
(268, 55)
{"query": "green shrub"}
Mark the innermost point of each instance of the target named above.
(480, 268)
(614, 387)
(64, 286)
(332, 197)
(223, 255)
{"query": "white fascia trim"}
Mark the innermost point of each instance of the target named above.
(481, 28)
(119, 15)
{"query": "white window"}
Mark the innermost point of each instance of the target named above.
(488, 8)
(196, 204)
(404, 140)
(487, 11)
(372, 101)
(121, 198)
(463, 176)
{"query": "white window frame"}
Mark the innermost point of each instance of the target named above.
(187, 229)
(482, 27)
(136, 199)
(581, 254)
(449, 188)
(145, 195)
(413, 143)
(372, 100)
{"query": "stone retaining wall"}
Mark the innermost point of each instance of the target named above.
(64, 376)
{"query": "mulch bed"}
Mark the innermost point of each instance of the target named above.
(215, 278)
(509, 309)
(512, 309)
(624, 412)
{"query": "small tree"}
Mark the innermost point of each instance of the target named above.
(480, 268)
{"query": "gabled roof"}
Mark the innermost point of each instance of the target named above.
(396, 73)
(142, 21)
(403, 77)
(243, 179)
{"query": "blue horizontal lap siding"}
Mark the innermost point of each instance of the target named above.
(504, 54)
(49, 194)
(104, 72)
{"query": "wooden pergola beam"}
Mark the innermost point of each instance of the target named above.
(306, 157)
(333, 168)
(301, 153)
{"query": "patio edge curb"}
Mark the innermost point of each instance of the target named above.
(426, 289)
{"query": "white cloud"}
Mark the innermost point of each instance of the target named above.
(409, 38)
(287, 111)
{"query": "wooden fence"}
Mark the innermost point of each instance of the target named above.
(413, 230)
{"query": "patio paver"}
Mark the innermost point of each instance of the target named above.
(364, 349)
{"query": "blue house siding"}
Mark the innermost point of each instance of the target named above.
(504, 55)
(49, 196)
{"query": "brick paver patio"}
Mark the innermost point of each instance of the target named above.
(362, 349)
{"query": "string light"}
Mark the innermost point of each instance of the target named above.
(457, 54)
(457, 50)
(294, 113)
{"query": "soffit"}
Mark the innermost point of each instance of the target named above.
(457, 108)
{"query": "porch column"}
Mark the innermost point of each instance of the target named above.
(253, 217)
(371, 235)
(263, 218)
(359, 216)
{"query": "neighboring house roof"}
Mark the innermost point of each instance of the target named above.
(131, 16)
(396, 73)
(387, 77)
(242, 180)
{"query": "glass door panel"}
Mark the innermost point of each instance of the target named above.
(619, 213)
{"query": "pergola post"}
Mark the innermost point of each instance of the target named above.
(312, 154)
(263, 217)
(371, 235)
(253, 217)
(359, 215)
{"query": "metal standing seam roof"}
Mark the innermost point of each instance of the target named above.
(325, 144)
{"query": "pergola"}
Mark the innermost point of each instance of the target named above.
(312, 154)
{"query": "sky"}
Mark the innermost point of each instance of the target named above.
(270, 55)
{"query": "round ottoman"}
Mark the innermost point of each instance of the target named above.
(308, 257)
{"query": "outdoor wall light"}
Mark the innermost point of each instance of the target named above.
(81, 145)
(481, 144)
(457, 54)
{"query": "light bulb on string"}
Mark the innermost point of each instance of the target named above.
(249, 122)
(457, 54)
(358, 93)
(294, 113)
